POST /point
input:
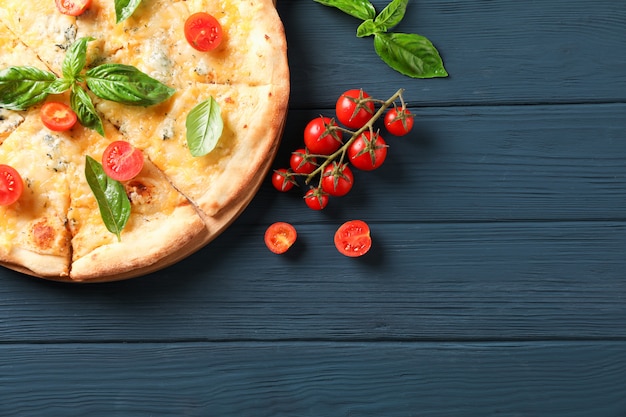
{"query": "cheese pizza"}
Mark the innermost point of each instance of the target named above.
(132, 133)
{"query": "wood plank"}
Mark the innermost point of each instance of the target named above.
(450, 281)
(482, 163)
(315, 379)
(507, 51)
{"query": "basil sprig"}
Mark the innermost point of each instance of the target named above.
(204, 127)
(410, 54)
(124, 9)
(23, 87)
(110, 195)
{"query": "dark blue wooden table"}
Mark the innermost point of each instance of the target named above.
(497, 281)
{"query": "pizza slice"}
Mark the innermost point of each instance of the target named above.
(162, 222)
(252, 118)
(33, 233)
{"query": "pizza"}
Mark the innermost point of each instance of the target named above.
(197, 111)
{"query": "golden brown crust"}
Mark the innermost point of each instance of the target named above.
(179, 203)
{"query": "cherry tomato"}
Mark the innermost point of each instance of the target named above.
(11, 185)
(121, 161)
(337, 179)
(58, 116)
(354, 108)
(399, 121)
(367, 153)
(203, 31)
(302, 162)
(321, 136)
(73, 7)
(353, 238)
(280, 236)
(316, 199)
(283, 180)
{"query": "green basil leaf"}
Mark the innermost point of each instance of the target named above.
(391, 15)
(111, 196)
(204, 127)
(60, 85)
(22, 87)
(361, 9)
(409, 54)
(81, 103)
(127, 85)
(367, 28)
(75, 58)
(124, 9)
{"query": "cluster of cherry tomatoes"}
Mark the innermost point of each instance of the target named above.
(334, 146)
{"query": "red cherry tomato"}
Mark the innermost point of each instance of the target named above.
(203, 31)
(321, 136)
(316, 199)
(367, 153)
(73, 7)
(280, 236)
(121, 161)
(282, 180)
(302, 162)
(354, 108)
(11, 185)
(337, 179)
(58, 116)
(353, 238)
(399, 121)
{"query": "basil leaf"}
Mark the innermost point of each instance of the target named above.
(81, 103)
(60, 85)
(367, 28)
(204, 127)
(361, 9)
(111, 196)
(409, 54)
(22, 87)
(127, 85)
(124, 9)
(391, 15)
(75, 58)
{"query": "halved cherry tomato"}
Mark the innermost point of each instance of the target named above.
(337, 179)
(353, 238)
(399, 121)
(283, 180)
(11, 185)
(121, 161)
(316, 199)
(354, 108)
(321, 136)
(73, 7)
(367, 152)
(203, 31)
(280, 236)
(302, 162)
(58, 116)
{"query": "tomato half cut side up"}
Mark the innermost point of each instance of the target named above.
(11, 185)
(58, 116)
(121, 161)
(353, 238)
(279, 237)
(73, 7)
(203, 31)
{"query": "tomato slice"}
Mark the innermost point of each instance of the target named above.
(121, 161)
(280, 236)
(203, 31)
(73, 7)
(58, 116)
(353, 238)
(11, 185)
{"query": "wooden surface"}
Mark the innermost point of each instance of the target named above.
(496, 285)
